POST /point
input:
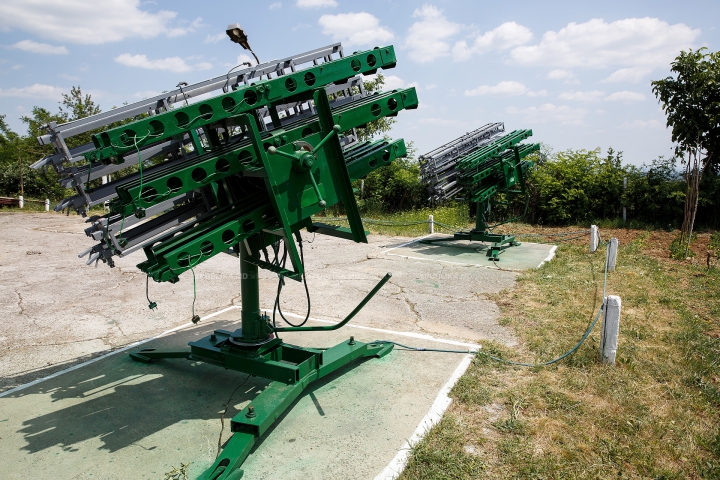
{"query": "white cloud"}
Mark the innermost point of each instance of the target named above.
(566, 75)
(427, 39)
(592, 96)
(393, 82)
(629, 75)
(625, 96)
(172, 64)
(540, 93)
(43, 48)
(275, 5)
(633, 42)
(549, 112)
(216, 38)
(355, 28)
(509, 89)
(90, 22)
(430, 86)
(37, 90)
(18, 66)
(507, 35)
(72, 78)
(641, 125)
(242, 58)
(315, 3)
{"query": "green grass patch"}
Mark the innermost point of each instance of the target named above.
(656, 414)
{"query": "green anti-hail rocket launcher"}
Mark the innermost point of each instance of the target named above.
(237, 173)
(475, 167)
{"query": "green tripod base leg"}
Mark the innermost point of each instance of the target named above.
(499, 242)
(291, 368)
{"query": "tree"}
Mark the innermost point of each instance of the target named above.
(691, 102)
(381, 125)
(18, 151)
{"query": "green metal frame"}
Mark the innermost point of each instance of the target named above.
(255, 349)
(494, 168)
(265, 187)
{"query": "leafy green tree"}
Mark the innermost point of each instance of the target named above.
(691, 101)
(380, 126)
(18, 152)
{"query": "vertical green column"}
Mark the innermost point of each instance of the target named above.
(479, 224)
(253, 327)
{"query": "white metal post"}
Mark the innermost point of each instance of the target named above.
(610, 329)
(431, 224)
(21, 202)
(624, 208)
(612, 254)
(47, 204)
(594, 238)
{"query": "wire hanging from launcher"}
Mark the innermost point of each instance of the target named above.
(281, 281)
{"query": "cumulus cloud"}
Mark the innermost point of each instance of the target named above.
(565, 75)
(242, 59)
(355, 28)
(427, 39)
(393, 82)
(172, 64)
(509, 89)
(215, 38)
(540, 93)
(43, 48)
(37, 90)
(315, 3)
(625, 97)
(507, 35)
(629, 75)
(592, 96)
(87, 22)
(549, 112)
(633, 42)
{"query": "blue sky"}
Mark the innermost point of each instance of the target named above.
(577, 73)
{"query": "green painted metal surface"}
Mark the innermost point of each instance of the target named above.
(497, 167)
(260, 185)
(114, 143)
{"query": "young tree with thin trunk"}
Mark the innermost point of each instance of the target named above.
(691, 101)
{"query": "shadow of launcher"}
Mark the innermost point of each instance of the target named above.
(238, 173)
(473, 168)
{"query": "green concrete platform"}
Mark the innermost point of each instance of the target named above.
(116, 418)
(523, 257)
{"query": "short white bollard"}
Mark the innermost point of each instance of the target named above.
(47, 204)
(612, 254)
(21, 202)
(594, 238)
(610, 329)
(431, 224)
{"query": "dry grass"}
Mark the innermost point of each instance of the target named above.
(656, 414)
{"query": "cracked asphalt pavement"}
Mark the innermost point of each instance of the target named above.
(57, 312)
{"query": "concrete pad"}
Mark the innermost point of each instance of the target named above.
(58, 312)
(116, 418)
(523, 257)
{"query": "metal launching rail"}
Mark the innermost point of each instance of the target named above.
(475, 167)
(238, 173)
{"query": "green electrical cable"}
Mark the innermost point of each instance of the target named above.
(522, 364)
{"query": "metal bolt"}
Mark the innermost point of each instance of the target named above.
(352, 341)
(251, 412)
